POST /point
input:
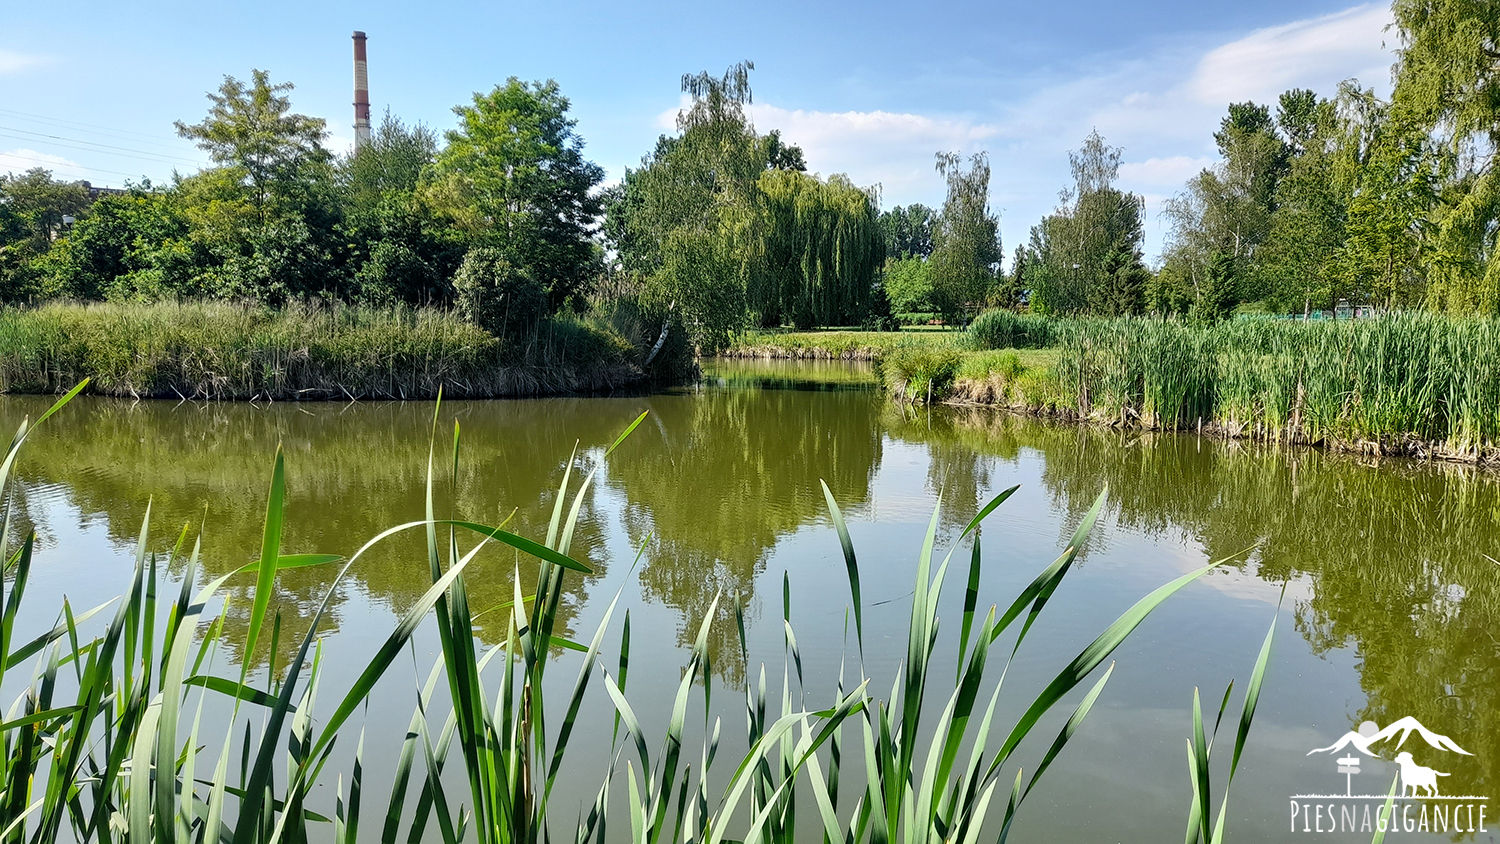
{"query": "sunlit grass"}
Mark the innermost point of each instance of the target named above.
(222, 350)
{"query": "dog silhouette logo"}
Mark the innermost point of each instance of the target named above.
(1415, 777)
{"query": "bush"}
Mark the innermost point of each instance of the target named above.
(642, 326)
(919, 372)
(394, 273)
(1001, 329)
(496, 295)
(908, 285)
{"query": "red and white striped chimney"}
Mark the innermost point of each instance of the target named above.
(361, 93)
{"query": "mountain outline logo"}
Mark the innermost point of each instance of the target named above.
(1370, 733)
(1423, 806)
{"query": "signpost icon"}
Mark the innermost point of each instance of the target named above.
(1349, 766)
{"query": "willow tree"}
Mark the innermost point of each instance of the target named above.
(966, 253)
(822, 249)
(1447, 93)
(693, 208)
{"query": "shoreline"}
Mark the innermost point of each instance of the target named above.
(997, 393)
(972, 394)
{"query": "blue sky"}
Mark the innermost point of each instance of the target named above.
(871, 90)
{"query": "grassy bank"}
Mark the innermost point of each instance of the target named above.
(110, 741)
(217, 350)
(1417, 385)
(836, 344)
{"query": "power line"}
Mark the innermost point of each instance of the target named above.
(73, 123)
(53, 165)
(157, 161)
(97, 144)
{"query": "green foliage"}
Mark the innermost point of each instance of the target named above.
(252, 130)
(919, 372)
(660, 341)
(391, 161)
(513, 176)
(132, 245)
(908, 285)
(690, 213)
(1218, 295)
(822, 246)
(495, 294)
(395, 273)
(1296, 268)
(1085, 257)
(33, 206)
(909, 231)
(1444, 111)
(966, 254)
(1002, 329)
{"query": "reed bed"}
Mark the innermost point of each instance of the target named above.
(1002, 329)
(1400, 384)
(220, 350)
(109, 743)
(1412, 384)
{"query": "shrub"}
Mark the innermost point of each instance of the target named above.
(908, 285)
(643, 326)
(1001, 329)
(919, 373)
(496, 295)
(394, 273)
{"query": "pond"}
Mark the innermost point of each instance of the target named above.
(1388, 605)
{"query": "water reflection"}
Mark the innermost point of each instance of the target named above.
(1395, 550)
(721, 476)
(351, 472)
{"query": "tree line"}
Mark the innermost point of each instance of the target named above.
(721, 228)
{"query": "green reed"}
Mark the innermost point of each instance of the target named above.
(108, 741)
(1394, 383)
(304, 350)
(1002, 329)
(919, 372)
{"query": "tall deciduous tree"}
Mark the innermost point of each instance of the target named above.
(908, 230)
(966, 245)
(689, 218)
(1445, 134)
(1075, 251)
(252, 128)
(33, 207)
(264, 218)
(513, 176)
(1298, 264)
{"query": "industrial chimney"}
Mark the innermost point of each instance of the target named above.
(361, 94)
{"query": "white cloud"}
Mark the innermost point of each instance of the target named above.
(890, 148)
(12, 61)
(1317, 52)
(19, 160)
(1169, 172)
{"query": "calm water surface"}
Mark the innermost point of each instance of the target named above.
(1390, 607)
